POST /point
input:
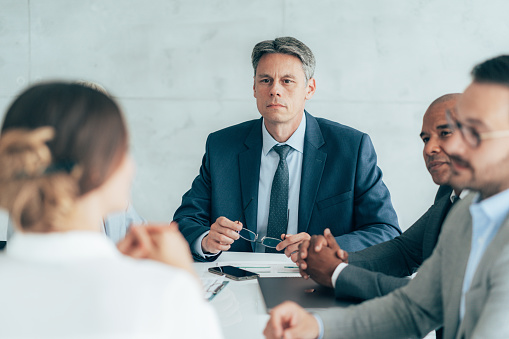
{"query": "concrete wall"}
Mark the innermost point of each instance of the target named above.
(181, 69)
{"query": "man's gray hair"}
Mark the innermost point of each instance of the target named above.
(285, 45)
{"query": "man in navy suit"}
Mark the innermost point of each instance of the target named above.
(266, 185)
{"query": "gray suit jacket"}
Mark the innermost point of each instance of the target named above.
(380, 269)
(432, 298)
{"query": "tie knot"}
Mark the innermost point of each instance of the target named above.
(282, 150)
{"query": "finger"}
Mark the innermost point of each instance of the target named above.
(216, 246)
(303, 249)
(293, 248)
(318, 242)
(125, 244)
(343, 255)
(231, 233)
(292, 239)
(303, 274)
(218, 231)
(331, 241)
(274, 327)
(221, 238)
(227, 223)
(294, 256)
(142, 243)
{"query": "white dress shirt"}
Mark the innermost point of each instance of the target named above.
(268, 167)
(77, 285)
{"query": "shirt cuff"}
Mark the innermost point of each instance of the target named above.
(320, 326)
(196, 247)
(336, 273)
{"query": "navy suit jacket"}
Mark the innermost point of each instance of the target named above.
(341, 185)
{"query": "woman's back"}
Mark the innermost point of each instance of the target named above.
(77, 285)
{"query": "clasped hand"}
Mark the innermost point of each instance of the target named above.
(319, 257)
(163, 243)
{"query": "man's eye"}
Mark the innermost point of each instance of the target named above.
(264, 81)
(425, 140)
(288, 81)
(445, 133)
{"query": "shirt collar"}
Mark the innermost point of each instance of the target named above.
(463, 194)
(60, 246)
(495, 207)
(296, 141)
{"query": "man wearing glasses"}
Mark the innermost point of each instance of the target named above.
(266, 185)
(464, 285)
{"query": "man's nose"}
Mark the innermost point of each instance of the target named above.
(432, 147)
(275, 90)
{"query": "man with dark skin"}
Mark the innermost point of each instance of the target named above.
(382, 268)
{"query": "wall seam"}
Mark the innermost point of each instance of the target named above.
(29, 43)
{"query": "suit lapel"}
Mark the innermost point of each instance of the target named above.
(485, 265)
(249, 165)
(435, 222)
(313, 163)
(457, 253)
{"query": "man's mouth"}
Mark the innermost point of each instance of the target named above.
(433, 165)
(275, 105)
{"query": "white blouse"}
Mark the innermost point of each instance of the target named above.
(77, 285)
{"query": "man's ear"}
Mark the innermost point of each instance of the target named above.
(311, 88)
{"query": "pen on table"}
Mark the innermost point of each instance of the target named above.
(220, 287)
(217, 290)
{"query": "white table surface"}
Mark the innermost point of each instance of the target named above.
(240, 306)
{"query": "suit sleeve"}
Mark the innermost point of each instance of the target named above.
(398, 257)
(411, 311)
(193, 215)
(359, 283)
(380, 269)
(374, 216)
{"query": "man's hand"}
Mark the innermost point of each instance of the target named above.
(291, 244)
(222, 234)
(289, 320)
(158, 242)
(319, 257)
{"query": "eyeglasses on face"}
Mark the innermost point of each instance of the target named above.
(470, 135)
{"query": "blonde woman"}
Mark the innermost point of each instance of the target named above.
(64, 165)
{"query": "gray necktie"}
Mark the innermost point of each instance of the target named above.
(278, 210)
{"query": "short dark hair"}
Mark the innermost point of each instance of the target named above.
(494, 71)
(285, 45)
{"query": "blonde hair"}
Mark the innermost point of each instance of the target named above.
(36, 199)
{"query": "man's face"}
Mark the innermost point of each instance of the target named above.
(482, 108)
(281, 90)
(435, 132)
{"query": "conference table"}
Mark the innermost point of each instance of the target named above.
(239, 305)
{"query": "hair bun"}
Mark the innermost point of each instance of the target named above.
(24, 153)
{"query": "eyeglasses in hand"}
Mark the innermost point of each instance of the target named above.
(251, 236)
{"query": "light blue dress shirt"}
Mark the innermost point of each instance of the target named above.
(268, 167)
(487, 217)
